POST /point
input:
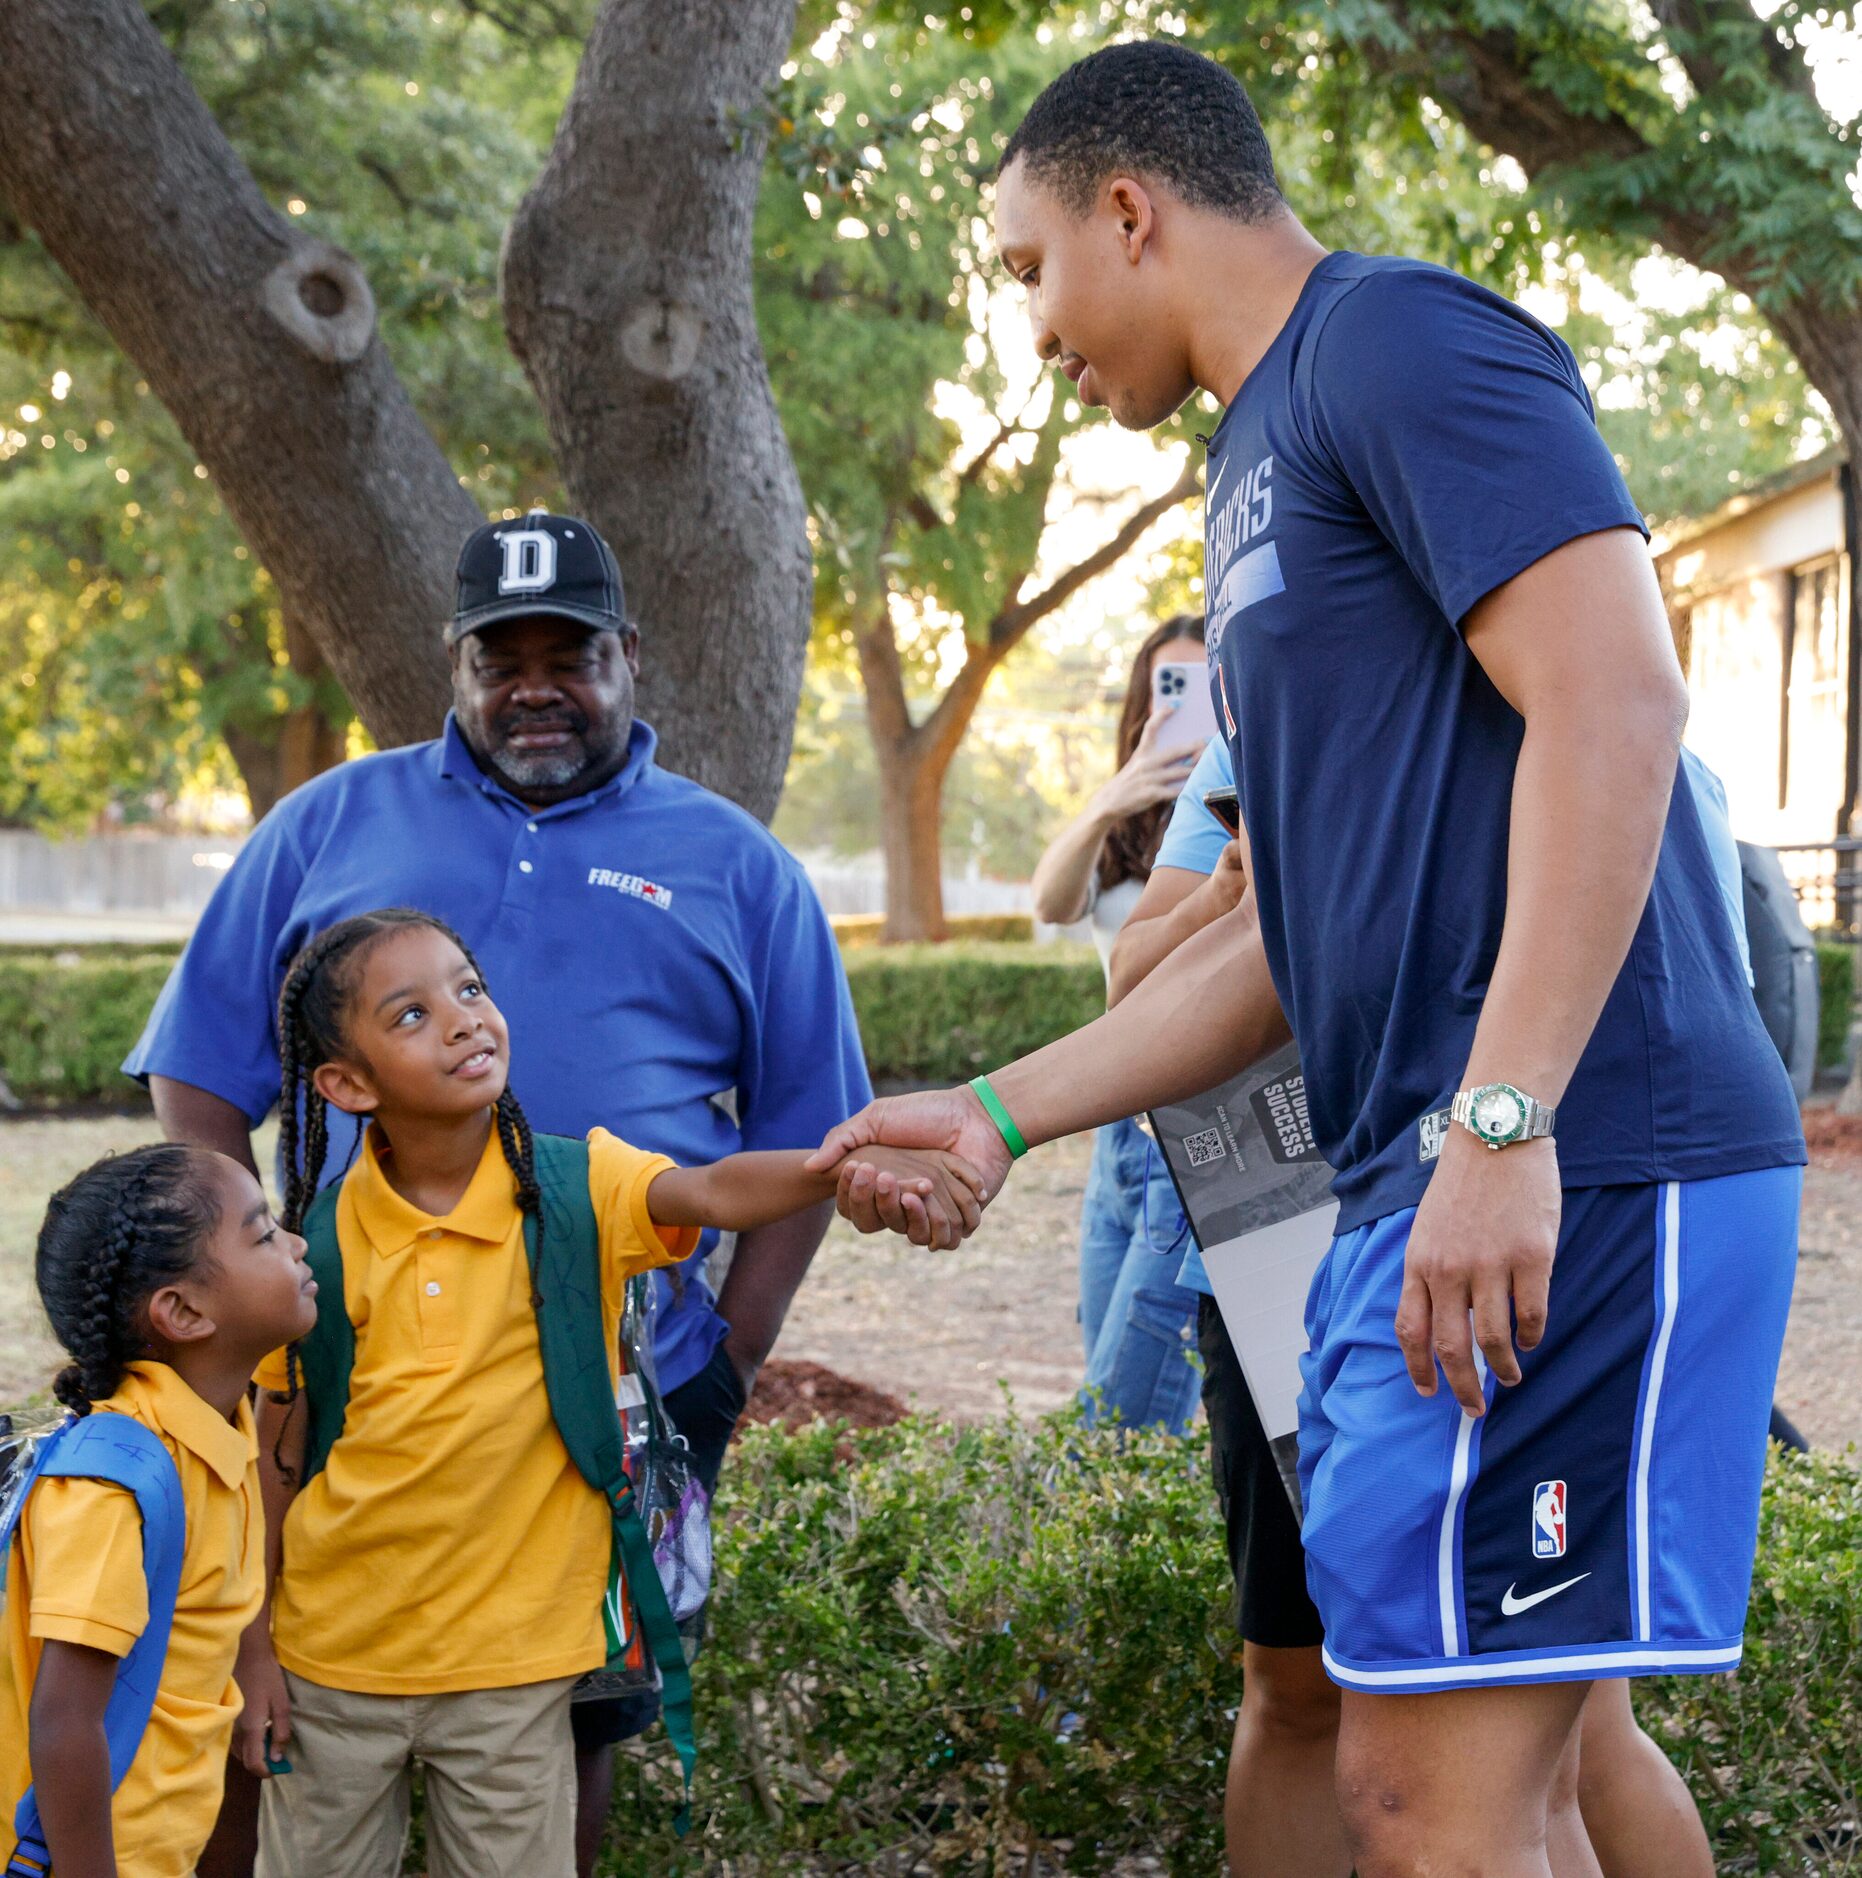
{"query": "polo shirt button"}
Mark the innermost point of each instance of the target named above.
(433, 1290)
(531, 826)
(433, 1232)
(523, 867)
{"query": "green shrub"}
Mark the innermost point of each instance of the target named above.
(855, 930)
(942, 1013)
(955, 1647)
(68, 1019)
(1836, 988)
(1007, 1649)
(927, 1013)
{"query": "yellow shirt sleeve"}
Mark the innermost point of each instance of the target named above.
(618, 1179)
(85, 1547)
(272, 1373)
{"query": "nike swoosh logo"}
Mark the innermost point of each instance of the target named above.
(1511, 1606)
(1221, 470)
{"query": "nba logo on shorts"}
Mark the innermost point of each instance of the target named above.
(1548, 1519)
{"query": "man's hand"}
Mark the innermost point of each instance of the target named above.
(1229, 881)
(268, 1701)
(949, 1119)
(1482, 1247)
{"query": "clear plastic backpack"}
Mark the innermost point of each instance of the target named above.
(674, 1506)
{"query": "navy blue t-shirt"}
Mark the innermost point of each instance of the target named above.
(1409, 442)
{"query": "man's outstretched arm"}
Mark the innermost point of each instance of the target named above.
(1204, 1015)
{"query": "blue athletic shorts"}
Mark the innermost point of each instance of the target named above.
(1600, 1519)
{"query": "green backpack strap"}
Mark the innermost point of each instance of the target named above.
(565, 1273)
(328, 1354)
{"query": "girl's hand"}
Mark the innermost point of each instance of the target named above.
(268, 1701)
(939, 1193)
(1151, 775)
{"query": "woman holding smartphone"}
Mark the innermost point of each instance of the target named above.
(1137, 1323)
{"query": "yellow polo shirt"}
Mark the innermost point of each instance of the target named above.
(74, 1574)
(449, 1542)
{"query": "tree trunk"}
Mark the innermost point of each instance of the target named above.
(627, 293)
(283, 753)
(258, 339)
(911, 813)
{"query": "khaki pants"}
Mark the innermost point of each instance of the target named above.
(500, 1784)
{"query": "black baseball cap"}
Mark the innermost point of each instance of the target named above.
(545, 564)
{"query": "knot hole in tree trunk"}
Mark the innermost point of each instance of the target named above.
(661, 338)
(322, 299)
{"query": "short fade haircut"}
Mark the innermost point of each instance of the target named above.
(1149, 107)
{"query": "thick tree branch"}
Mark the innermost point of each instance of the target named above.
(627, 294)
(258, 339)
(1014, 622)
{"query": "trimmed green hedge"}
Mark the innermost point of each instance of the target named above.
(67, 1020)
(1836, 984)
(1005, 1649)
(927, 1013)
(942, 1013)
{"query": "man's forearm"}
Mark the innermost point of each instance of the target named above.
(1143, 945)
(766, 1272)
(202, 1120)
(1590, 801)
(1206, 1013)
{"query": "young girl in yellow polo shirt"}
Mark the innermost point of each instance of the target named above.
(441, 1576)
(167, 1279)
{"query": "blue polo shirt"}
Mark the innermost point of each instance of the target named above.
(1408, 443)
(662, 961)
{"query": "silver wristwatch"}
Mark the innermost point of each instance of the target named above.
(1500, 1115)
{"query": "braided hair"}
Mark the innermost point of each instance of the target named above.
(313, 1012)
(112, 1237)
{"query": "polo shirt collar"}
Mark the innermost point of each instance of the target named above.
(391, 1224)
(458, 764)
(228, 1448)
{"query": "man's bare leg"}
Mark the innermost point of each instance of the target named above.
(1457, 1784)
(1281, 1812)
(1637, 1809)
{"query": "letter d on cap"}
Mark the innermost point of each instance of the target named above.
(529, 561)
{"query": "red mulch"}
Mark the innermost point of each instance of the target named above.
(1835, 1140)
(795, 1394)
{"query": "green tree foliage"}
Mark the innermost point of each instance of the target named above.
(141, 631)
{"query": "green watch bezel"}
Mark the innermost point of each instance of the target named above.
(1517, 1132)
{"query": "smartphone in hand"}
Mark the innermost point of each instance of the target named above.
(1225, 806)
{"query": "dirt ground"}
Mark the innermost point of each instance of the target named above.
(955, 1334)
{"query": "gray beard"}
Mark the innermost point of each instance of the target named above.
(540, 769)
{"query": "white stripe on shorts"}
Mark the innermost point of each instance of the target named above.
(1448, 1586)
(1669, 1298)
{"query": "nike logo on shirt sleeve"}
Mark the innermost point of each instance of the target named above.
(1510, 1606)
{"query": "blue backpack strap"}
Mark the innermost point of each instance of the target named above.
(119, 1449)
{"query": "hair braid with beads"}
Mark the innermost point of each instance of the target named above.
(113, 1237)
(313, 1011)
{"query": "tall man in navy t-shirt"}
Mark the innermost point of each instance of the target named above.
(1492, 923)
(664, 964)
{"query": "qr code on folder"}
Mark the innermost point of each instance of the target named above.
(1204, 1147)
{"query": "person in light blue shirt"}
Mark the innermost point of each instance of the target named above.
(665, 967)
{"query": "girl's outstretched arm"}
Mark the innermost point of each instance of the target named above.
(70, 1757)
(747, 1190)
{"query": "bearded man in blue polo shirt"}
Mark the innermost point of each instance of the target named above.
(1567, 1158)
(665, 967)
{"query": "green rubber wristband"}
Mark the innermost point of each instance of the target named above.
(992, 1105)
